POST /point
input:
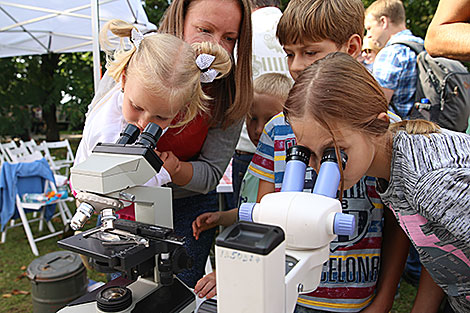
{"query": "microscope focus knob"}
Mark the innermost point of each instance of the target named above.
(344, 224)
(245, 212)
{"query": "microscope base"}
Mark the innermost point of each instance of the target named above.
(146, 297)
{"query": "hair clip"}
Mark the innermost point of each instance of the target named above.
(136, 37)
(203, 61)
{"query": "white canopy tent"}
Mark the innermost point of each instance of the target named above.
(30, 27)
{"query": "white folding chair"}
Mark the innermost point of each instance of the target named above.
(33, 147)
(3, 155)
(40, 208)
(20, 153)
(55, 162)
(6, 148)
(38, 151)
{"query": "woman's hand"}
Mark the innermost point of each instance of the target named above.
(204, 222)
(206, 286)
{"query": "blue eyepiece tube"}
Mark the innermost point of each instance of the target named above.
(297, 158)
(329, 175)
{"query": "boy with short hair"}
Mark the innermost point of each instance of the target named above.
(270, 93)
(308, 31)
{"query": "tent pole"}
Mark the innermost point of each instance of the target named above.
(96, 45)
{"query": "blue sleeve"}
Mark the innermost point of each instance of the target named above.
(388, 68)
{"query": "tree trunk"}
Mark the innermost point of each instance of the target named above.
(49, 65)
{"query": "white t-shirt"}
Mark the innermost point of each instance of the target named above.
(104, 123)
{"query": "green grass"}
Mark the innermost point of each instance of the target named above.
(405, 299)
(16, 255)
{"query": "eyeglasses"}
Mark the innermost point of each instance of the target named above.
(367, 51)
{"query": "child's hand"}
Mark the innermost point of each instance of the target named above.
(205, 221)
(170, 162)
(206, 286)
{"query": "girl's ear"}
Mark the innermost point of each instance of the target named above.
(354, 45)
(384, 117)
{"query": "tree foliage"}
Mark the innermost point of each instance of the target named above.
(52, 82)
(61, 86)
(155, 9)
(14, 114)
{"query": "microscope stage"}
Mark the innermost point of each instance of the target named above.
(120, 253)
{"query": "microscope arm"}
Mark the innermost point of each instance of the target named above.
(153, 205)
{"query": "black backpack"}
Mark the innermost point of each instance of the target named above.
(446, 83)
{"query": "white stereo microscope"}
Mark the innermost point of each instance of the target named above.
(263, 268)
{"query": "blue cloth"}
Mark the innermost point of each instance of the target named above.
(20, 178)
(395, 69)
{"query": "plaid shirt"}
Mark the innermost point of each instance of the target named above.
(395, 69)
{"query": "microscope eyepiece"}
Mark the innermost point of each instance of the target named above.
(298, 152)
(149, 136)
(329, 155)
(129, 135)
(329, 176)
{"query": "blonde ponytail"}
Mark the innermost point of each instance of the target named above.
(116, 59)
(222, 64)
(415, 127)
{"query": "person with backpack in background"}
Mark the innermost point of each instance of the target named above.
(416, 84)
(395, 65)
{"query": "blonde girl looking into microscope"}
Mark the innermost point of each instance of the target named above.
(158, 80)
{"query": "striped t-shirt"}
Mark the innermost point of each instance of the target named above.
(269, 161)
(429, 192)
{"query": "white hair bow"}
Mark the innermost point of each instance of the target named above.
(203, 61)
(136, 37)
